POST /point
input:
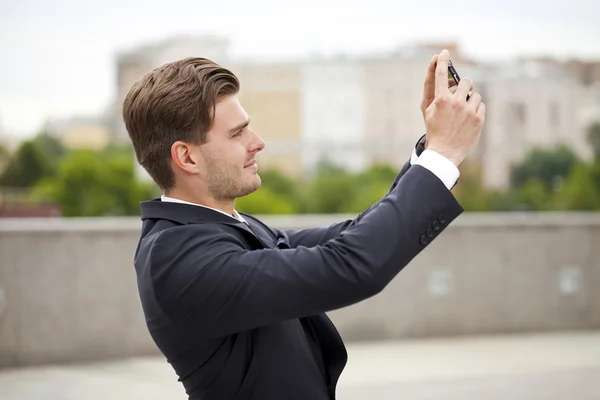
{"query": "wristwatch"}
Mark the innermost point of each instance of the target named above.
(420, 146)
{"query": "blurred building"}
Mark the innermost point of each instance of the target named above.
(588, 72)
(334, 113)
(529, 105)
(343, 110)
(81, 132)
(364, 110)
(394, 85)
(271, 94)
(590, 109)
(354, 111)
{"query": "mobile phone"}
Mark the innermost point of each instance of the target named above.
(452, 74)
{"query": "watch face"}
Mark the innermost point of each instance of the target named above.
(421, 145)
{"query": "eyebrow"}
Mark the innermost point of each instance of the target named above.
(240, 126)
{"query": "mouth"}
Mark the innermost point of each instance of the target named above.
(251, 165)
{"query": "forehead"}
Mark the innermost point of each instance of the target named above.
(228, 114)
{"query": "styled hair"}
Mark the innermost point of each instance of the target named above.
(174, 102)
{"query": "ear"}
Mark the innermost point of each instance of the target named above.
(184, 157)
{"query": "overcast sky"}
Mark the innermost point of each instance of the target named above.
(57, 56)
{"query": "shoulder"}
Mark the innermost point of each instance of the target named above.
(172, 257)
(194, 234)
(182, 242)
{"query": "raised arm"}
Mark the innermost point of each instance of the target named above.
(442, 168)
(209, 276)
(310, 237)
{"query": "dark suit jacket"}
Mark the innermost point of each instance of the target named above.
(239, 311)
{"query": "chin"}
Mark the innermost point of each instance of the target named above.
(251, 186)
(255, 185)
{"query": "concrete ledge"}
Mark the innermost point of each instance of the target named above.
(69, 289)
(477, 219)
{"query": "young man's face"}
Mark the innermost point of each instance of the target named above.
(229, 152)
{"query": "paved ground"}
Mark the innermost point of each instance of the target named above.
(532, 367)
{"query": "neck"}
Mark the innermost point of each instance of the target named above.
(226, 206)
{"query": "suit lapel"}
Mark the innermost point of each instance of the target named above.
(267, 241)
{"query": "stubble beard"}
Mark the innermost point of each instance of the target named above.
(227, 184)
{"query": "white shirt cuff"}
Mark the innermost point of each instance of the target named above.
(440, 166)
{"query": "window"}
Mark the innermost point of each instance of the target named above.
(517, 114)
(554, 115)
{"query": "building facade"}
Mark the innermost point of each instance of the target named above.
(271, 95)
(529, 105)
(333, 114)
(357, 111)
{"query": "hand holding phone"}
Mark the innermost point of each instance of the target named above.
(452, 74)
(453, 125)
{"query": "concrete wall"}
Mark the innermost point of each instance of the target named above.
(69, 292)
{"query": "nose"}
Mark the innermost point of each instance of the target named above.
(257, 144)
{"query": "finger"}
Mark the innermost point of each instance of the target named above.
(481, 109)
(474, 100)
(453, 89)
(452, 83)
(429, 86)
(441, 74)
(464, 87)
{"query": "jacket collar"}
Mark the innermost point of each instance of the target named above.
(184, 214)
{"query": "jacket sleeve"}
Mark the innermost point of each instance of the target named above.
(315, 236)
(310, 237)
(211, 277)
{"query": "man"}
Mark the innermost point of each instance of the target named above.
(237, 307)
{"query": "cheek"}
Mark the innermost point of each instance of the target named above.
(241, 154)
(231, 160)
(232, 155)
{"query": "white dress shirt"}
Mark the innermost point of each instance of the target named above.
(235, 215)
(439, 165)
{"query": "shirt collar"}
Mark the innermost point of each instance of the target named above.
(235, 215)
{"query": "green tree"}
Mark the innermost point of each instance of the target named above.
(91, 184)
(470, 191)
(331, 190)
(593, 137)
(117, 149)
(4, 157)
(366, 197)
(581, 190)
(544, 165)
(52, 148)
(369, 186)
(265, 201)
(27, 166)
(284, 187)
(380, 173)
(534, 195)
(500, 200)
